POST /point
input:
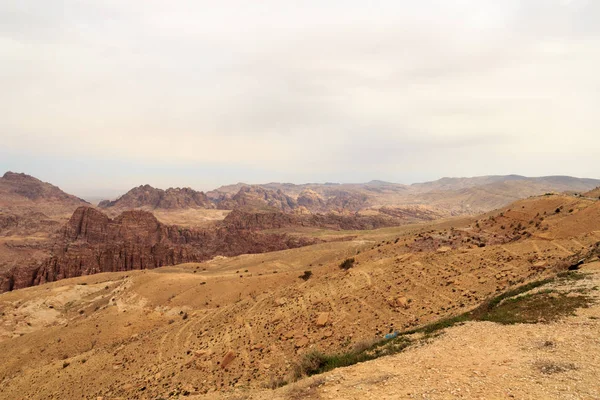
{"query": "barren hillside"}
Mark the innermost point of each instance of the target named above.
(236, 325)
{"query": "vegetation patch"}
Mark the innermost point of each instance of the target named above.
(572, 276)
(317, 362)
(537, 307)
(511, 307)
(550, 367)
(347, 264)
(306, 276)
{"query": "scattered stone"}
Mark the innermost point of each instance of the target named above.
(229, 357)
(399, 302)
(281, 301)
(322, 319)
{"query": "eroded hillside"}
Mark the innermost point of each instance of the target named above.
(241, 323)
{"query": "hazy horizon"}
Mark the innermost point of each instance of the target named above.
(113, 193)
(102, 96)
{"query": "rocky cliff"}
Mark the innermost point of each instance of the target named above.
(146, 196)
(247, 220)
(91, 242)
(255, 197)
(21, 193)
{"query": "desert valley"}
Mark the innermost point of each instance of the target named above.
(299, 200)
(270, 291)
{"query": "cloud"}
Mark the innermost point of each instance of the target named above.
(292, 90)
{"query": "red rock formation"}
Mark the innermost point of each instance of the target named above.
(26, 224)
(148, 197)
(91, 243)
(347, 201)
(256, 197)
(21, 193)
(241, 219)
(311, 200)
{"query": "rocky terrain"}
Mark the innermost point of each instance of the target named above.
(255, 197)
(446, 196)
(91, 243)
(276, 220)
(32, 212)
(593, 193)
(553, 360)
(151, 198)
(28, 205)
(20, 191)
(234, 326)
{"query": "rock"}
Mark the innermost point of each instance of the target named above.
(281, 301)
(399, 302)
(289, 335)
(540, 265)
(303, 341)
(229, 357)
(322, 319)
(200, 353)
(444, 249)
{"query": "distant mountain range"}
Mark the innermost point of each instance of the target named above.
(446, 196)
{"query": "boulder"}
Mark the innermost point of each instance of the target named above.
(322, 319)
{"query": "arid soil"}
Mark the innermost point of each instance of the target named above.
(234, 326)
(477, 360)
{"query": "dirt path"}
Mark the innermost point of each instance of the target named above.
(477, 360)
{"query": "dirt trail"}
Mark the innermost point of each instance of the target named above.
(477, 360)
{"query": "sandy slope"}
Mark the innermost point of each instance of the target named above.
(168, 331)
(478, 360)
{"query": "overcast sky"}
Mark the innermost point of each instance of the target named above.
(99, 96)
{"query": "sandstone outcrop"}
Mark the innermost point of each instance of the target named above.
(311, 200)
(146, 196)
(241, 219)
(91, 242)
(256, 197)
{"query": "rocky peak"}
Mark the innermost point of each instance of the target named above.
(18, 176)
(311, 200)
(146, 196)
(258, 197)
(87, 223)
(19, 186)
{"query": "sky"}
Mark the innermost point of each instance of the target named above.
(100, 96)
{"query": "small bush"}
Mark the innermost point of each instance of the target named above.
(347, 264)
(306, 275)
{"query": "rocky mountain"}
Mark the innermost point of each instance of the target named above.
(311, 200)
(256, 197)
(91, 242)
(20, 193)
(148, 197)
(449, 196)
(242, 219)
